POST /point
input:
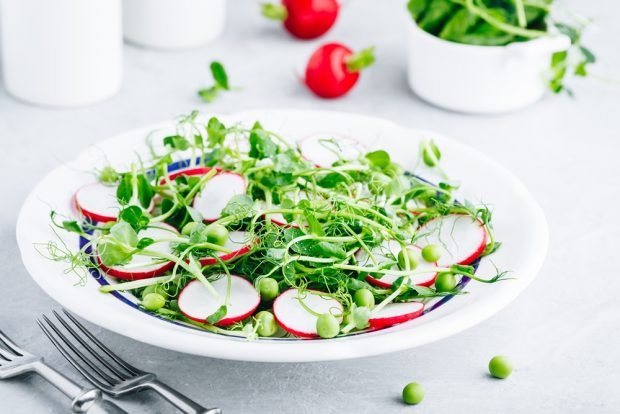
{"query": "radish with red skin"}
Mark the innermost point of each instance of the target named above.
(391, 248)
(324, 151)
(395, 313)
(97, 202)
(304, 19)
(295, 319)
(237, 243)
(333, 69)
(217, 193)
(142, 266)
(197, 303)
(461, 237)
(190, 172)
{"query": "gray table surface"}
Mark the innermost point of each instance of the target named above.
(562, 333)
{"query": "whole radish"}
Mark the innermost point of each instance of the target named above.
(304, 19)
(333, 69)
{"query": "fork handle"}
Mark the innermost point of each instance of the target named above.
(182, 402)
(82, 400)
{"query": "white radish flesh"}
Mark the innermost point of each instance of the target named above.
(238, 243)
(197, 303)
(141, 266)
(461, 237)
(395, 313)
(295, 319)
(98, 202)
(217, 193)
(324, 150)
(422, 275)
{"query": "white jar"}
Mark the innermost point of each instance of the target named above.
(61, 52)
(480, 79)
(173, 24)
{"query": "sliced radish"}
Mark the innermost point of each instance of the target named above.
(238, 243)
(97, 202)
(144, 267)
(395, 313)
(197, 303)
(278, 218)
(388, 252)
(462, 238)
(189, 172)
(217, 193)
(295, 319)
(324, 150)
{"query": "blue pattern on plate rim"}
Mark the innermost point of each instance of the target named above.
(99, 277)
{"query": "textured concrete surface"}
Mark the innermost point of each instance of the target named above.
(562, 333)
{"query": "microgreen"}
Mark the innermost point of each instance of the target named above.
(220, 78)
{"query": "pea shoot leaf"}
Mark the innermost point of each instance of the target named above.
(144, 242)
(176, 142)
(218, 315)
(261, 144)
(239, 205)
(135, 216)
(124, 192)
(216, 132)
(219, 75)
(380, 159)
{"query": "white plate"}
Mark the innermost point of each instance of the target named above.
(518, 221)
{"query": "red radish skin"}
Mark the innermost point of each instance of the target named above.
(305, 19)
(190, 172)
(395, 313)
(386, 281)
(197, 303)
(97, 202)
(294, 319)
(149, 270)
(216, 194)
(462, 238)
(236, 248)
(333, 69)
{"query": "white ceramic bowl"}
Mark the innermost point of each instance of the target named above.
(483, 180)
(173, 24)
(480, 79)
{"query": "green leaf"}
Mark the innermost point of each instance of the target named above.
(458, 25)
(573, 33)
(436, 14)
(176, 142)
(135, 216)
(417, 7)
(209, 94)
(108, 175)
(124, 233)
(261, 144)
(216, 132)
(239, 205)
(144, 242)
(113, 254)
(219, 75)
(331, 180)
(380, 159)
(145, 191)
(124, 192)
(218, 315)
(72, 226)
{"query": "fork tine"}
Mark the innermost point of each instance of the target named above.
(76, 352)
(10, 345)
(7, 355)
(65, 353)
(108, 352)
(115, 370)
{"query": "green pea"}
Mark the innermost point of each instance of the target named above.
(431, 154)
(413, 393)
(174, 305)
(500, 367)
(364, 297)
(407, 259)
(268, 288)
(445, 282)
(361, 316)
(267, 323)
(327, 325)
(217, 234)
(188, 228)
(153, 301)
(431, 253)
(159, 289)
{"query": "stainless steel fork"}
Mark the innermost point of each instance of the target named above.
(106, 370)
(15, 361)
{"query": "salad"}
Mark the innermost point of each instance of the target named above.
(239, 232)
